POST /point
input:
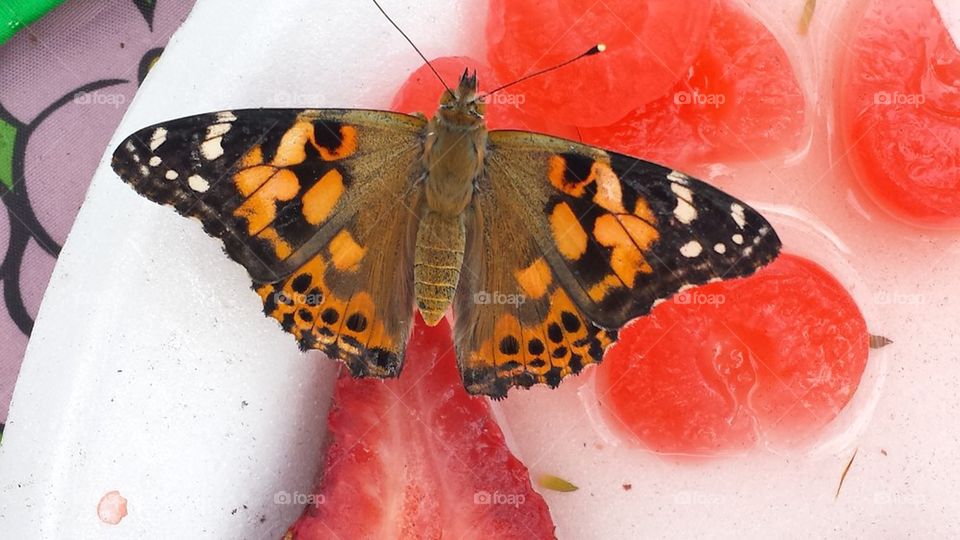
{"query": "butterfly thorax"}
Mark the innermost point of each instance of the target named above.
(453, 158)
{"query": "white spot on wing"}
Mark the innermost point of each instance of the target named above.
(129, 146)
(684, 212)
(720, 248)
(737, 238)
(154, 161)
(198, 183)
(678, 177)
(761, 232)
(158, 137)
(144, 170)
(691, 249)
(736, 211)
(171, 175)
(217, 130)
(212, 148)
(226, 116)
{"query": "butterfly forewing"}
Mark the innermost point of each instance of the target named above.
(299, 198)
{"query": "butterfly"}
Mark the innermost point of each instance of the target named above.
(349, 221)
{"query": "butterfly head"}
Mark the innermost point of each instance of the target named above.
(462, 107)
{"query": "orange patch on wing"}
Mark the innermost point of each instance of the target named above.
(322, 197)
(599, 291)
(506, 327)
(556, 172)
(308, 317)
(260, 208)
(642, 210)
(567, 232)
(348, 145)
(280, 246)
(249, 180)
(252, 158)
(560, 303)
(609, 191)
(292, 148)
(345, 252)
(357, 322)
(629, 237)
(535, 279)
(556, 167)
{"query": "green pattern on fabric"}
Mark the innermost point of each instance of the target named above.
(16, 14)
(8, 135)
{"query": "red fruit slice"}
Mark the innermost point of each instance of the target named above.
(716, 369)
(650, 45)
(739, 100)
(416, 457)
(421, 93)
(899, 110)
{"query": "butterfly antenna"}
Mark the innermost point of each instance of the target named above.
(598, 48)
(412, 45)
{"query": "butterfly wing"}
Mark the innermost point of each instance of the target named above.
(317, 205)
(585, 240)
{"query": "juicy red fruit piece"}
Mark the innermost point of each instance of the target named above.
(740, 99)
(899, 111)
(650, 45)
(417, 457)
(421, 93)
(719, 368)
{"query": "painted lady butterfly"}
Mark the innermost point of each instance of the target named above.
(346, 219)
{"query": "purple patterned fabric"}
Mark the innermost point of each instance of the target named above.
(66, 82)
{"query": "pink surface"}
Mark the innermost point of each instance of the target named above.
(61, 135)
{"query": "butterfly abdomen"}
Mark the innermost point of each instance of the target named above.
(437, 262)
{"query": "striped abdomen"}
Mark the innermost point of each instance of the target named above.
(437, 262)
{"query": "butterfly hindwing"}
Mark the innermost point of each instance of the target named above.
(298, 198)
(611, 235)
(515, 324)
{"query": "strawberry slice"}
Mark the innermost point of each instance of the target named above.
(417, 457)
